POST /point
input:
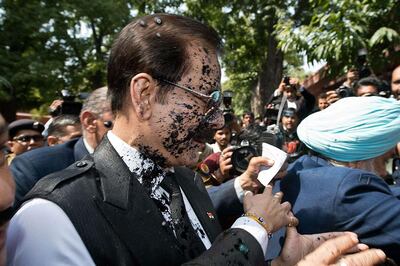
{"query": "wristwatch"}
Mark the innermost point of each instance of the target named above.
(6, 215)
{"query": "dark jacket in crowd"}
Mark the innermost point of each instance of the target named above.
(31, 166)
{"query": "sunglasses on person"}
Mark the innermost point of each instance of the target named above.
(213, 100)
(29, 138)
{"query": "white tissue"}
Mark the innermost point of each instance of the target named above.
(268, 173)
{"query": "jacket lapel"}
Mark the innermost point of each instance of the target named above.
(131, 213)
(199, 200)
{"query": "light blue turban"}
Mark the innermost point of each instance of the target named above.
(353, 128)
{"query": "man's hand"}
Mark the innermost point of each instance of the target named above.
(330, 248)
(332, 97)
(225, 162)
(248, 180)
(333, 250)
(269, 207)
(352, 75)
(297, 246)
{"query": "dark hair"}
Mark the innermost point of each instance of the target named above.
(156, 45)
(251, 114)
(58, 125)
(322, 95)
(368, 81)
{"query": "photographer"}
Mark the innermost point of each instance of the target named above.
(292, 95)
(288, 133)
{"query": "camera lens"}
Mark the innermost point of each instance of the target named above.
(241, 158)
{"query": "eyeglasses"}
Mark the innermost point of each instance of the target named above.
(213, 100)
(108, 124)
(28, 138)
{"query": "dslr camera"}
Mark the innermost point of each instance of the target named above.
(227, 108)
(249, 145)
(343, 92)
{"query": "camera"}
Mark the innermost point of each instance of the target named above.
(343, 92)
(286, 80)
(227, 109)
(362, 64)
(249, 145)
(69, 105)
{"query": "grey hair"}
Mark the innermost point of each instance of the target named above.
(366, 165)
(97, 103)
(58, 126)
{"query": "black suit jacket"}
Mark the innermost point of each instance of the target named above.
(121, 225)
(31, 166)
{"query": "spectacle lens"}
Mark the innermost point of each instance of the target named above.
(216, 99)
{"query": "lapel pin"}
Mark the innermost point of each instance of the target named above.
(210, 215)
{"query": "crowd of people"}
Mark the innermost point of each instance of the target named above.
(153, 172)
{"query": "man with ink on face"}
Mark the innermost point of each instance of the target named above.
(132, 198)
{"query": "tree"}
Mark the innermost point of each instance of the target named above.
(336, 31)
(252, 59)
(47, 46)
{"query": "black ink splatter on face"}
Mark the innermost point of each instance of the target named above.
(206, 70)
(183, 128)
(180, 136)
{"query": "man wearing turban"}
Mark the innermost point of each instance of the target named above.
(338, 188)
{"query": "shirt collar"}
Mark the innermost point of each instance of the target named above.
(87, 146)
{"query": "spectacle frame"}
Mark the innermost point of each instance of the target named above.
(213, 101)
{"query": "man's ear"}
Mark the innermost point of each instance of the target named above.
(88, 121)
(142, 91)
(52, 140)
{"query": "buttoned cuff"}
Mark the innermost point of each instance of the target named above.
(255, 229)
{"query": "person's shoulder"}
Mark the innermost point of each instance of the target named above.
(316, 169)
(31, 239)
(364, 178)
(48, 183)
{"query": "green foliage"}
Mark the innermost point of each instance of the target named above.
(336, 30)
(384, 34)
(246, 28)
(49, 45)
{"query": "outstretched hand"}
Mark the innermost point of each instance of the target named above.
(326, 249)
